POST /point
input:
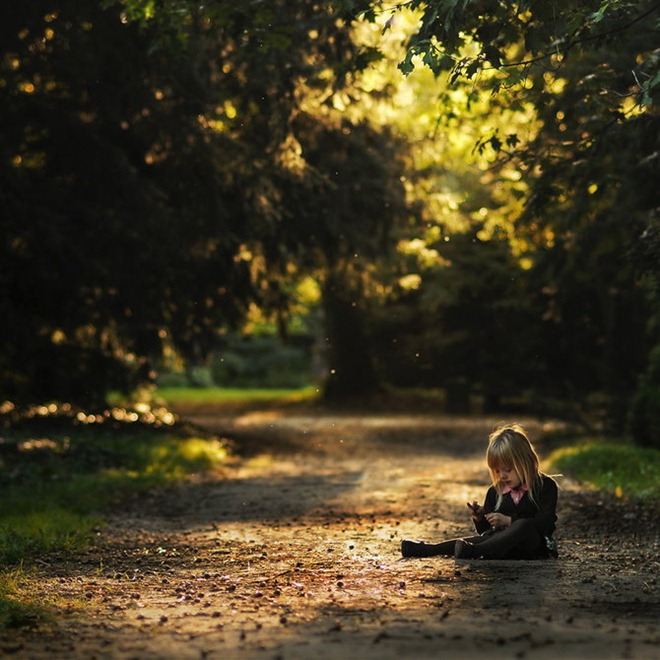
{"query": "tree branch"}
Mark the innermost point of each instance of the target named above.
(593, 37)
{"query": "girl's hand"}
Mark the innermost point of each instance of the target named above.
(498, 520)
(476, 510)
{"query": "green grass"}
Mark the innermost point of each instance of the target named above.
(17, 608)
(176, 395)
(625, 470)
(54, 502)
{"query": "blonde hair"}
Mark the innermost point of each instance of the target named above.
(509, 446)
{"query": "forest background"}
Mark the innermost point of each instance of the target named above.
(452, 195)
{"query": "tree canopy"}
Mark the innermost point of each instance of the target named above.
(152, 182)
(588, 78)
(472, 183)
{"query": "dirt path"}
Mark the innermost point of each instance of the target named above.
(293, 552)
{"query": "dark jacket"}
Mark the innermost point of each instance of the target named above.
(543, 513)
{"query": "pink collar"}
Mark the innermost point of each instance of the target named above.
(516, 495)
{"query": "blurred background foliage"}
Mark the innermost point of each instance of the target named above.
(456, 195)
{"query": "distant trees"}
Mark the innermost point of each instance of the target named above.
(585, 232)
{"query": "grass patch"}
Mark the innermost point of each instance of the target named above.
(61, 467)
(40, 532)
(54, 489)
(17, 608)
(624, 470)
(174, 395)
(191, 400)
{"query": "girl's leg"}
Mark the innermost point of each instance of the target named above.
(520, 539)
(444, 549)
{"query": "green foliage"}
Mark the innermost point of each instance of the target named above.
(594, 199)
(54, 488)
(622, 469)
(644, 414)
(644, 417)
(529, 37)
(262, 362)
(92, 328)
(168, 166)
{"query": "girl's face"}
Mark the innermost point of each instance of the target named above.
(508, 477)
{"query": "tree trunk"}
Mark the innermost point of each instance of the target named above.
(351, 370)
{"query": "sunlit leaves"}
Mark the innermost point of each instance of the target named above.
(650, 82)
(143, 11)
(515, 39)
(574, 90)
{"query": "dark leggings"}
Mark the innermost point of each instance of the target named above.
(520, 540)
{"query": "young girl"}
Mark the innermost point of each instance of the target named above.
(518, 516)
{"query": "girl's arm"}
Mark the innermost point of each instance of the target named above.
(546, 517)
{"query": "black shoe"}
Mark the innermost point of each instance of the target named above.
(465, 550)
(551, 546)
(416, 549)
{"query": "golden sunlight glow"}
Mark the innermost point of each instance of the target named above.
(418, 248)
(290, 153)
(58, 337)
(526, 263)
(216, 125)
(309, 291)
(555, 85)
(630, 106)
(243, 254)
(223, 112)
(254, 318)
(37, 443)
(410, 282)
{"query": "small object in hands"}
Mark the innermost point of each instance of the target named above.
(475, 510)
